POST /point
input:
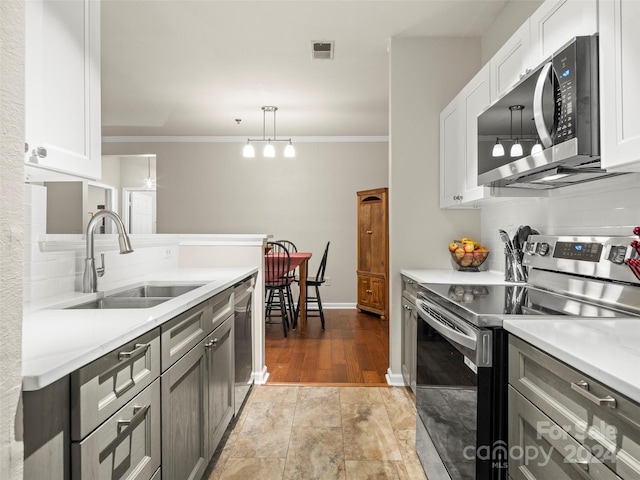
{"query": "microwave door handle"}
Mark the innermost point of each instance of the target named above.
(446, 331)
(538, 114)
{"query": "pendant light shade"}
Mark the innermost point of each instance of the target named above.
(516, 149)
(498, 149)
(248, 151)
(537, 148)
(269, 150)
(289, 151)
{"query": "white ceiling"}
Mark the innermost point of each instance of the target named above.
(178, 67)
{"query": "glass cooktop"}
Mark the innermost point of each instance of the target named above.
(487, 305)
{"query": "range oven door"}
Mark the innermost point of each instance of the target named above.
(459, 406)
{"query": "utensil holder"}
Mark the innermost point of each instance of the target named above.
(514, 271)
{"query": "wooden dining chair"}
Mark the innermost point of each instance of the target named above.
(314, 303)
(276, 280)
(290, 303)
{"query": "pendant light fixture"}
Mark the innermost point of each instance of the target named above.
(498, 149)
(537, 148)
(148, 182)
(516, 148)
(269, 150)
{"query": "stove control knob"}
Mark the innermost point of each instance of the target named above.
(542, 249)
(617, 254)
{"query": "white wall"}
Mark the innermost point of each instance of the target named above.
(310, 199)
(11, 234)
(425, 76)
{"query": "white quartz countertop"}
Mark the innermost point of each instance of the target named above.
(606, 349)
(57, 341)
(454, 276)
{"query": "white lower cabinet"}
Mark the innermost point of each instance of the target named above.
(619, 80)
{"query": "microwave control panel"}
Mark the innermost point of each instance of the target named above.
(564, 66)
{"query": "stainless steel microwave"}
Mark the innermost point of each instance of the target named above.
(545, 132)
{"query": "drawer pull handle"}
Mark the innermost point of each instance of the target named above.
(584, 464)
(582, 388)
(138, 413)
(138, 349)
(211, 343)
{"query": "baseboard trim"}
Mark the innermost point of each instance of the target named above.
(260, 378)
(337, 306)
(393, 379)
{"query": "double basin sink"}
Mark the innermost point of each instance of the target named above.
(143, 296)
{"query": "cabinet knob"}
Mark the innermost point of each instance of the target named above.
(41, 152)
(369, 232)
(26, 147)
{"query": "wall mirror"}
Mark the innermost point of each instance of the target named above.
(128, 187)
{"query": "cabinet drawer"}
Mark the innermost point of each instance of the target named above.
(541, 450)
(127, 446)
(182, 333)
(102, 387)
(601, 419)
(409, 289)
(222, 307)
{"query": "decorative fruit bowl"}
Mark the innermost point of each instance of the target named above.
(467, 254)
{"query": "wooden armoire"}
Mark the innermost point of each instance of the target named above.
(373, 251)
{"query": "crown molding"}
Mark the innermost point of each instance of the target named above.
(237, 139)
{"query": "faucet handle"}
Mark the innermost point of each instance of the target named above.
(100, 270)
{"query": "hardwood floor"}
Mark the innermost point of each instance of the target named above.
(354, 349)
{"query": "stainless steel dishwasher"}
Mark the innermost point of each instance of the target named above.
(242, 339)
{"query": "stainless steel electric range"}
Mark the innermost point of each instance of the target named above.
(461, 379)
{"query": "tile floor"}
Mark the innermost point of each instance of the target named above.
(306, 433)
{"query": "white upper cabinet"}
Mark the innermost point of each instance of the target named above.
(459, 144)
(475, 97)
(511, 62)
(451, 147)
(556, 22)
(62, 89)
(620, 85)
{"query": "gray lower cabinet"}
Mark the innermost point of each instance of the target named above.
(197, 404)
(221, 381)
(565, 424)
(409, 331)
(127, 445)
(155, 408)
(184, 417)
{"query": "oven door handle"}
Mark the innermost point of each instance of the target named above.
(469, 341)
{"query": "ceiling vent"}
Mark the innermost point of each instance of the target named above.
(322, 50)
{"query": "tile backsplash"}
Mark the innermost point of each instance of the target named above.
(51, 271)
(602, 207)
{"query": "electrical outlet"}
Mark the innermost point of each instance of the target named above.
(167, 253)
(327, 281)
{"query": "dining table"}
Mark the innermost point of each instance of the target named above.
(300, 259)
